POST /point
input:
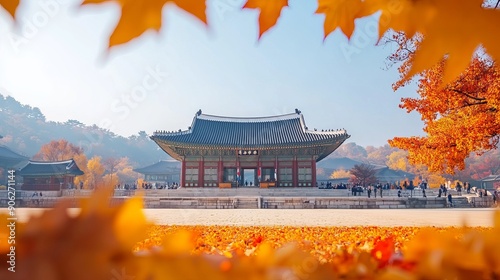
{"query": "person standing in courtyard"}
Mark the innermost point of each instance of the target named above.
(450, 200)
(458, 188)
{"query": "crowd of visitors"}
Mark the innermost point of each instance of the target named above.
(148, 186)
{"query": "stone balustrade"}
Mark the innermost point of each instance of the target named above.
(252, 198)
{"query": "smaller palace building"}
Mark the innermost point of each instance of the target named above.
(277, 151)
(161, 173)
(49, 176)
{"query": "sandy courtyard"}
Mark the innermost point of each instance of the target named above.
(311, 217)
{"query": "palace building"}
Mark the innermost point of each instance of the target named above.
(277, 151)
(49, 175)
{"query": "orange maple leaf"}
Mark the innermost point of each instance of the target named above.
(270, 11)
(445, 19)
(403, 15)
(139, 16)
(341, 14)
(10, 6)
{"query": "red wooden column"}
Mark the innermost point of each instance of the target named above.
(201, 171)
(276, 171)
(295, 172)
(259, 170)
(313, 171)
(238, 171)
(220, 171)
(183, 172)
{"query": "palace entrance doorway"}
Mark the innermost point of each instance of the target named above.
(249, 177)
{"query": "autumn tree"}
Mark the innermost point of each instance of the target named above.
(110, 166)
(460, 117)
(95, 172)
(58, 150)
(363, 174)
(119, 171)
(341, 173)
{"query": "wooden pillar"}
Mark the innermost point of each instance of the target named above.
(220, 171)
(183, 172)
(238, 171)
(277, 170)
(259, 171)
(295, 172)
(201, 171)
(313, 171)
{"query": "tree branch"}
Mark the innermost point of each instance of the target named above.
(468, 95)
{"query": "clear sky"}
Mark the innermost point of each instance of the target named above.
(56, 59)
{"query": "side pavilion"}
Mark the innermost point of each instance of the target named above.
(277, 151)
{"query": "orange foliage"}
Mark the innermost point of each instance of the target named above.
(460, 118)
(58, 150)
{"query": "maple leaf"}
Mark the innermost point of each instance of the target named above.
(341, 14)
(402, 15)
(270, 11)
(138, 16)
(446, 19)
(10, 6)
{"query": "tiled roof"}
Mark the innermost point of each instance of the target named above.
(491, 178)
(161, 167)
(391, 175)
(9, 158)
(52, 168)
(267, 132)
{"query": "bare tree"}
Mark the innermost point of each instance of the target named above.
(363, 174)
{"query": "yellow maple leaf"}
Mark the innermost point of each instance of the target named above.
(270, 11)
(341, 14)
(130, 223)
(10, 6)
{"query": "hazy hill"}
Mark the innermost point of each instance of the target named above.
(25, 130)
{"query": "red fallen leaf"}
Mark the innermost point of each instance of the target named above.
(257, 240)
(383, 250)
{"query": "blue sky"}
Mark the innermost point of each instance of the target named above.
(56, 59)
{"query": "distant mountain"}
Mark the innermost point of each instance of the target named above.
(331, 164)
(25, 129)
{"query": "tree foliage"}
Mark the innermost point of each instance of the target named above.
(95, 172)
(339, 174)
(58, 150)
(460, 117)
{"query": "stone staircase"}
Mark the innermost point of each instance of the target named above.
(461, 202)
(246, 202)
